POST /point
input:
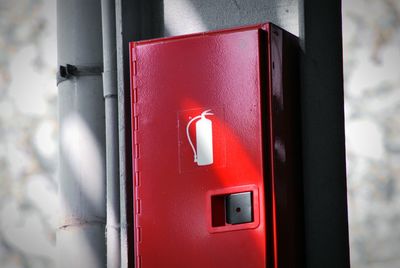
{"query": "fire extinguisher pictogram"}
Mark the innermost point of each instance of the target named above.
(203, 154)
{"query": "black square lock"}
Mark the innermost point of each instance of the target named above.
(239, 208)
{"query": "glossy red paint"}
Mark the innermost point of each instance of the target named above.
(235, 74)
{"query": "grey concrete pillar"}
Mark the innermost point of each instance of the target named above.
(81, 232)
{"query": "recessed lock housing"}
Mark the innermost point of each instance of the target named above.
(239, 208)
(233, 208)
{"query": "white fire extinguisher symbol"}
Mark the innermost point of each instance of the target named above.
(203, 153)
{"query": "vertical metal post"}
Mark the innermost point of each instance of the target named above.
(324, 166)
(80, 236)
(111, 113)
(124, 25)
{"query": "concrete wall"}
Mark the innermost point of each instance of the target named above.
(182, 17)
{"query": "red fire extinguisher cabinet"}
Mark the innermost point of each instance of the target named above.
(216, 167)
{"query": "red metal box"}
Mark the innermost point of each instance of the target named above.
(214, 140)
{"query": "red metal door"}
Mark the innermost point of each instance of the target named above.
(204, 189)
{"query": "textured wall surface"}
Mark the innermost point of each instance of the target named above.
(28, 127)
(188, 16)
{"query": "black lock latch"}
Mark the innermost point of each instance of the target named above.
(239, 208)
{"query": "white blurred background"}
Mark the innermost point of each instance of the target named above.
(28, 131)
(371, 44)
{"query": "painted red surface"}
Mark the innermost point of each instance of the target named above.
(173, 80)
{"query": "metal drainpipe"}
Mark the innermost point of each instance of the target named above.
(80, 234)
(112, 146)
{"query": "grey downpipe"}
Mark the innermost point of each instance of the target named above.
(81, 173)
(112, 146)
